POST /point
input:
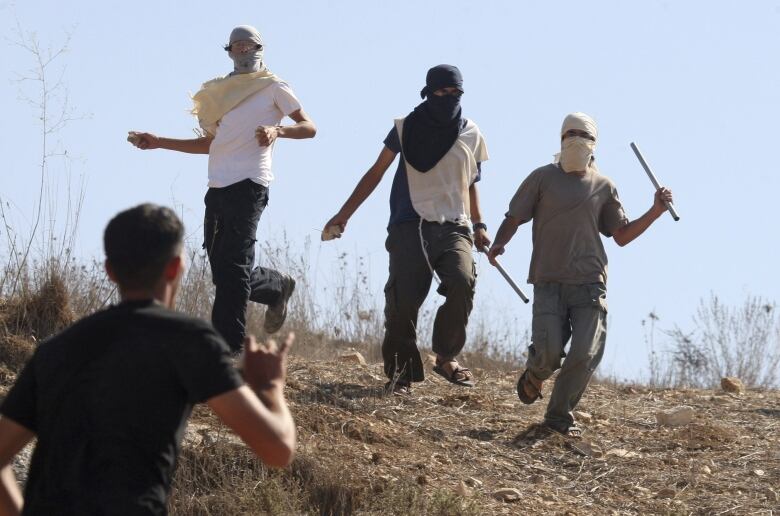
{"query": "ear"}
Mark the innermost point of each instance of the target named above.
(174, 268)
(110, 271)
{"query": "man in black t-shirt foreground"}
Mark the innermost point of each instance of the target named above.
(108, 398)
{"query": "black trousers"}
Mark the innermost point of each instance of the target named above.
(230, 229)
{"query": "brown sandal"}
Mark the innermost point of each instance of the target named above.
(460, 375)
(529, 389)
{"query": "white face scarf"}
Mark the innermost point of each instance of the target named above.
(577, 152)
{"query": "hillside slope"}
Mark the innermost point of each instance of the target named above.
(448, 449)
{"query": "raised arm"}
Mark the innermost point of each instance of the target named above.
(148, 141)
(258, 413)
(365, 186)
(13, 437)
(303, 128)
(626, 234)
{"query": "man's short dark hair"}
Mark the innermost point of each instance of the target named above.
(140, 242)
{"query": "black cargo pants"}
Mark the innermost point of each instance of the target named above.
(230, 229)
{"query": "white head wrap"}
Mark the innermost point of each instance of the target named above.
(580, 122)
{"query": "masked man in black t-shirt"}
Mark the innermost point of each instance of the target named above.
(108, 398)
(435, 220)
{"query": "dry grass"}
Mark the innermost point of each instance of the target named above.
(361, 452)
(445, 450)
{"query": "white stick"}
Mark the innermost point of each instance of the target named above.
(507, 277)
(669, 206)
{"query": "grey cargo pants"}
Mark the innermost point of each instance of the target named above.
(449, 251)
(561, 312)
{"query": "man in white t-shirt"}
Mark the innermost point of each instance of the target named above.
(240, 115)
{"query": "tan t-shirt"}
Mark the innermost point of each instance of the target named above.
(568, 213)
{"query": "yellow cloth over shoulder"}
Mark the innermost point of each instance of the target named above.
(218, 96)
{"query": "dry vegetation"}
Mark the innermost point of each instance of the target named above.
(445, 450)
(362, 452)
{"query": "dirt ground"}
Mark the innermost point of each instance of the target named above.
(473, 442)
(453, 448)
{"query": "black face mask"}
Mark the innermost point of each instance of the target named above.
(443, 109)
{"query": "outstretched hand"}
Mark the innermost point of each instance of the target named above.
(143, 141)
(265, 364)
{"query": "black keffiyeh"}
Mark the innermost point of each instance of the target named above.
(432, 128)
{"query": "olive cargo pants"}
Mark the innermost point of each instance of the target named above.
(562, 312)
(449, 251)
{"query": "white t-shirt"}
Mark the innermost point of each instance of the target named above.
(234, 154)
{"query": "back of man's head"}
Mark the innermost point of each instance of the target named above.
(139, 244)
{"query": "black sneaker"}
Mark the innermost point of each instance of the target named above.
(276, 314)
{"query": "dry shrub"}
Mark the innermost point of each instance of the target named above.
(15, 351)
(39, 312)
(727, 340)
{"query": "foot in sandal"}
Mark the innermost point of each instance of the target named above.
(529, 388)
(451, 371)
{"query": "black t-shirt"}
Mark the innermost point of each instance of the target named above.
(109, 399)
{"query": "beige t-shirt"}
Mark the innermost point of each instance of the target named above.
(568, 213)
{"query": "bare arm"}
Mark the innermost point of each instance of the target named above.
(13, 437)
(365, 186)
(303, 128)
(147, 141)
(259, 415)
(481, 238)
(626, 234)
(504, 234)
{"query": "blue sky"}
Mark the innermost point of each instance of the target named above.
(695, 84)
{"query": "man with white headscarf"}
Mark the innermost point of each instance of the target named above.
(570, 203)
(240, 116)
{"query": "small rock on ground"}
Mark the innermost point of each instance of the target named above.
(353, 358)
(732, 384)
(679, 416)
